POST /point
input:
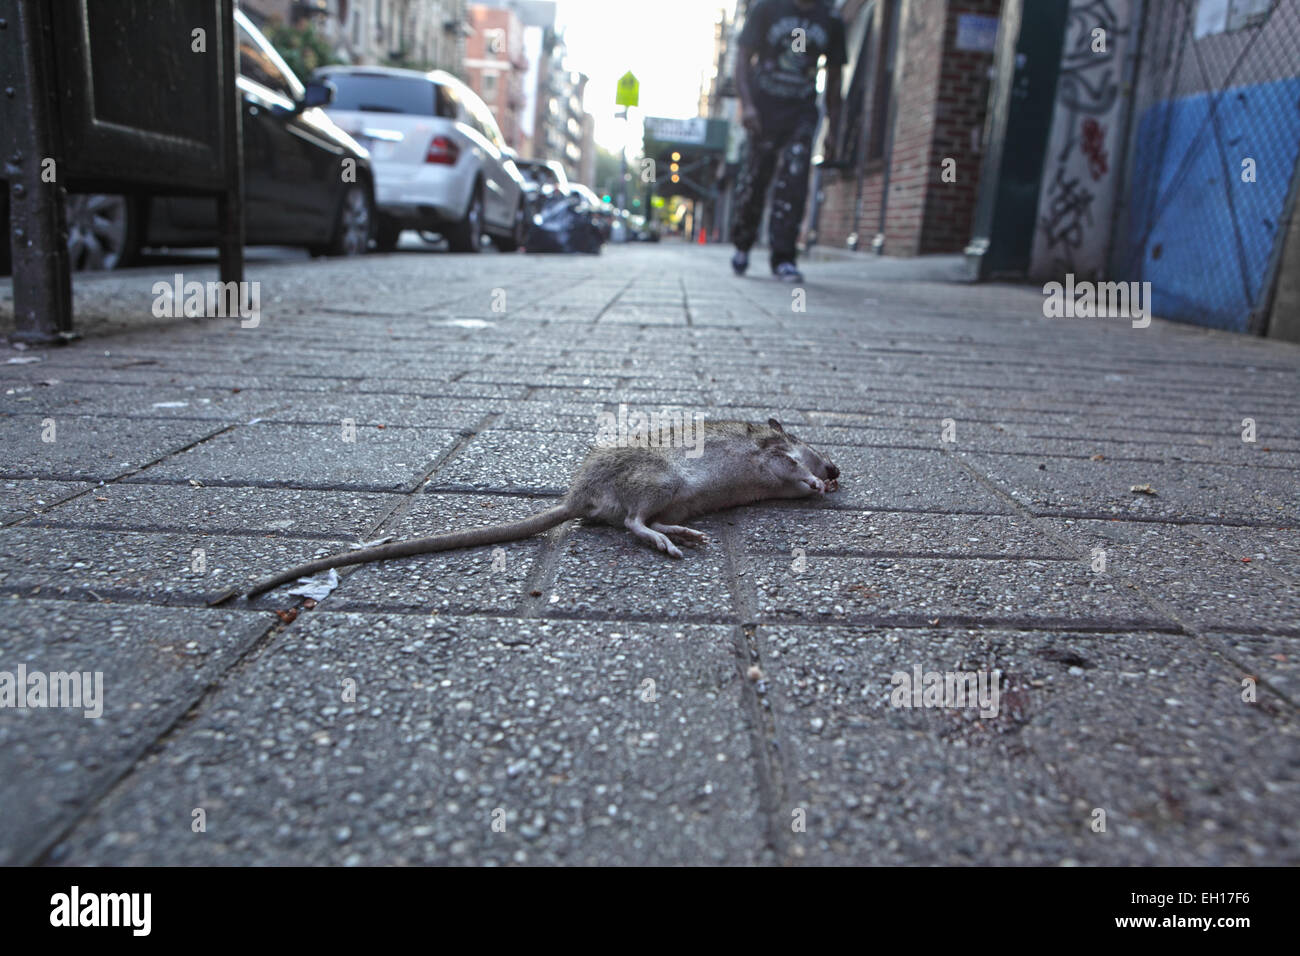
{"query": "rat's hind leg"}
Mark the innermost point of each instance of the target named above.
(634, 524)
(679, 534)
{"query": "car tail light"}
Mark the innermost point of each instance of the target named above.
(443, 150)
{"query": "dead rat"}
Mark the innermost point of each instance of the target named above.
(649, 491)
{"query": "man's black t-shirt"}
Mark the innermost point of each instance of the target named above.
(788, 42)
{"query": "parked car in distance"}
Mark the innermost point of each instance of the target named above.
(599, 209)
(541, 179)
(295, 190)
(440, 161)
(540, 173)
(643, 230)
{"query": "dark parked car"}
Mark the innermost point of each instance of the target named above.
(541, 179)
(296, 192)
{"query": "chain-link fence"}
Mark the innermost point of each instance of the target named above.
(1215, 137)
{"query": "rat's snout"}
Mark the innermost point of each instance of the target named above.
(832, 478)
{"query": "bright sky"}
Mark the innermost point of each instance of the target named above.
(667, 44)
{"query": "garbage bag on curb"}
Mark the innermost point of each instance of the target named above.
(564, 223)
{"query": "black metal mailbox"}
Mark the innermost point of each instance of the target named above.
(121, 96)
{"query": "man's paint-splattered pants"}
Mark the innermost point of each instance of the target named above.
(787, 153)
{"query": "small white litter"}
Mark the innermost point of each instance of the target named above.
(318, 586)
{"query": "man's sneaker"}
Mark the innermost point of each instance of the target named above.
(740, 262)
(787, 272)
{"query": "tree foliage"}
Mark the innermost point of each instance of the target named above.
(302, 47)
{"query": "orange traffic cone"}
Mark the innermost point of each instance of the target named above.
(702, 240)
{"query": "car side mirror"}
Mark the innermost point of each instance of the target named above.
(317, 93)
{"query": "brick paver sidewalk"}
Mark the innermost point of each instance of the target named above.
(595, 700)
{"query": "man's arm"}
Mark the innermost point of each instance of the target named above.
(834, 99)
(836, 56)
(749, 115)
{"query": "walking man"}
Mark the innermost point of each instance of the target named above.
(779, 51)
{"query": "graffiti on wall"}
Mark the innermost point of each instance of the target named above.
(1079, 178)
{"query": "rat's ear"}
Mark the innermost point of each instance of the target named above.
(775, 424)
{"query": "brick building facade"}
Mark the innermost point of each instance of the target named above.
(924, 68)
(495, 68)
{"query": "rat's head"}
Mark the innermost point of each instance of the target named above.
(801, 467)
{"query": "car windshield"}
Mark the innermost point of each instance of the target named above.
(383, 94)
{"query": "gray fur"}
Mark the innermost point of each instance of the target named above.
(649, 491)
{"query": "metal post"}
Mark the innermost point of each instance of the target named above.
(33, 170)
(230, 204)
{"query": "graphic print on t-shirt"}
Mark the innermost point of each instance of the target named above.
(793, 75)
(789, 43)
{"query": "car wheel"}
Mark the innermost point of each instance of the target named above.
(102, 231)
(467, 235)
(355, 223)
(387, 233)
(512, 242)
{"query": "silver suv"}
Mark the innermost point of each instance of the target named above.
(439, 160)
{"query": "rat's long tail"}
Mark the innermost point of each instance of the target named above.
(495, 534)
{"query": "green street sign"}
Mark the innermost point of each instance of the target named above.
(629, 90)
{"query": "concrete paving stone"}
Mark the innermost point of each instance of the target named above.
(1183, 491)
(159, 568)
(1206, 587)
(919, 590)
(1180, 769)
(553, 379)
(767, 529)
(1206, 431)
(605, 571)
(551, 416)
(236, 376)
(1277, 550)
(1264, 657)
(902, 479)
(470, 581)
(155, 662)
(292, 513)
(310, 456)
(541, 724)
(631, 315)
(493, 578)
(172, 401)
(515, 461)
(659, 397)
(884, 786)
(730, 411)
(423, 387)
(22, 498)
(441, 513)
(552, 394)
(668, 379)
(981, 437)
(292, 361)
(91, 449)
(1155, 733)
(388, 409)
